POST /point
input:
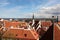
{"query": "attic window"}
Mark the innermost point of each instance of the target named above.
(25, 35)
(16, 35)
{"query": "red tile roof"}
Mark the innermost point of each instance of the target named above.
(15, 24)
(7, 24)
(56, 32)
(21, 33)
(59, 22)
(46, 23)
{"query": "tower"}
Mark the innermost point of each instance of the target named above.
(33, 21)
(57, 18)
(33, 16)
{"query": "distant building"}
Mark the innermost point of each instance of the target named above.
(28, 29)
(15, 24)
(44, 26)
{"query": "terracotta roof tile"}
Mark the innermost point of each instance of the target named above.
(15, 24)
(56, 33)
(21, 33)
(7, 24)
(58, 22)
(46, 23)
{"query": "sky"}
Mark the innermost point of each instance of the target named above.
(26, 8)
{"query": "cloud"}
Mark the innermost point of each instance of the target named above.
(52, 9)
(46, 12)
(41, 9)
(14, 12)
(3, 3)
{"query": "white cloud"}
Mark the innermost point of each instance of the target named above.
(12, 12)
(51, 9)
(43, 10)
(46, 11)
(3, 3)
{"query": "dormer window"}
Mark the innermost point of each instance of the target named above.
(16, 34)
(25, 35)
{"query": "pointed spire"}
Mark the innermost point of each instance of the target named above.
(33, 21)
(33, 16)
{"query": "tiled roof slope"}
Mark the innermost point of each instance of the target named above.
(21, 33)
(59, 22)
(8, 24)
(56, 32)
(46, 23)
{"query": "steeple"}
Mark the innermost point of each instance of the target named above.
(33, 21)
(33, 16)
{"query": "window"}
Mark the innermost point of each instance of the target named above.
(25, 35)
(16, 35)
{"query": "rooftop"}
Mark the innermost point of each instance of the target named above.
(21, 33)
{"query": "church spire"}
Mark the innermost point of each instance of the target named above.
(33, 16)
(33, 21)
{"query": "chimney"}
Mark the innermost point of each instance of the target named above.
(57, 18)
(52, 16)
